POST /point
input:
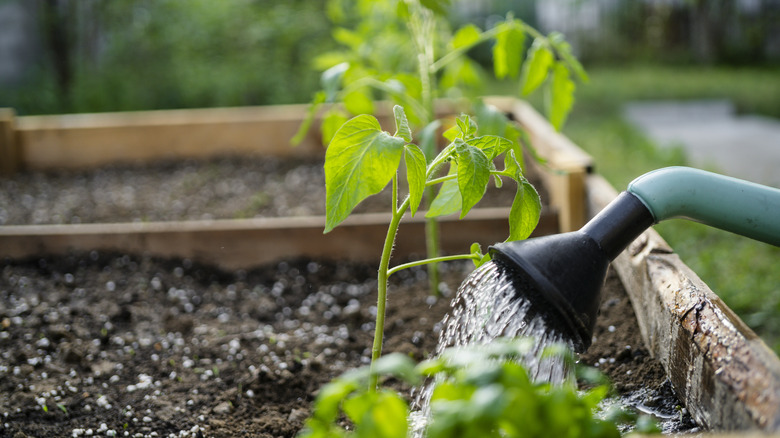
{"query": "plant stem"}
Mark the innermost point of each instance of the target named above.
(428, 261)
(422, 24)
(382, 275)
(407, 100)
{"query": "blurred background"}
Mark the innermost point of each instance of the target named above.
(669, 79)
(97, 55)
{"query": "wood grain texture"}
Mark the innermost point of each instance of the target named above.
(10, 159)
(243, 243)
(726, 376)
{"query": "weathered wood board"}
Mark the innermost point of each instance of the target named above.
(243, 243)
(89, 140)
(726, 376)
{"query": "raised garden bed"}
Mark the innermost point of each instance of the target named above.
(78, 142)
(186, 258)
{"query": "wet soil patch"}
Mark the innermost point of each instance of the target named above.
(619, 352)
(106, 344)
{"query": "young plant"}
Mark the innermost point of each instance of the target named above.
(479, 392)
(403, 51)
(362, 159)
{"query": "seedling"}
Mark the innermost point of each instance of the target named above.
(402, 51)
(481, 391)
(362, 159)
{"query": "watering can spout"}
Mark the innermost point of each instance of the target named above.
(742, 207)
(569, 269)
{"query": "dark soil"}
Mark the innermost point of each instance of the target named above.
(223, 188)
(619, 352)
(125, 345)
(102, 344)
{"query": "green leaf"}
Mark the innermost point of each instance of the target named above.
(512, 165)
(388, 418)
(359, 101)
(535, 70)
(564, 51)
(326, 407)
(402, 124)
(327, 60)
(448, 200)
(427, 139)
(360, 161)
(415, 175)
(429, 367)
(348, 38)
(437, 6)
(491, 120)
(358, 406)
(461, 72)
(476, 250)
(525, 211)
(491, 145)
(398, 365)
(508, 51)
(452, 133)
(467, 126)
(561, 95)
(473, 175)
(333, 119)
(331, 80)
(377, 414)
(311, 112)
(465, 36)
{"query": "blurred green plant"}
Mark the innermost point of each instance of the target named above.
(150, 54)
(405, 52)
(479, 391)
(362, 159)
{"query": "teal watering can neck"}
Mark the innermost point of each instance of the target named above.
(730, 204)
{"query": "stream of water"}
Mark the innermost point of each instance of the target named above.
(493, 302)
(497, 301)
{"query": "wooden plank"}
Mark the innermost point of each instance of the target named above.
(85, 140)
(233, 244)
(720, 369)
(89, 140)
(10, 160)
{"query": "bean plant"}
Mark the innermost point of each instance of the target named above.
(403, 51)
(362, 159)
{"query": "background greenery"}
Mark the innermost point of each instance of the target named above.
(98, 55)
(158, 54)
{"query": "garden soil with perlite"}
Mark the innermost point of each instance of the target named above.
(117, 345)
(127, 345)
(222, 188)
